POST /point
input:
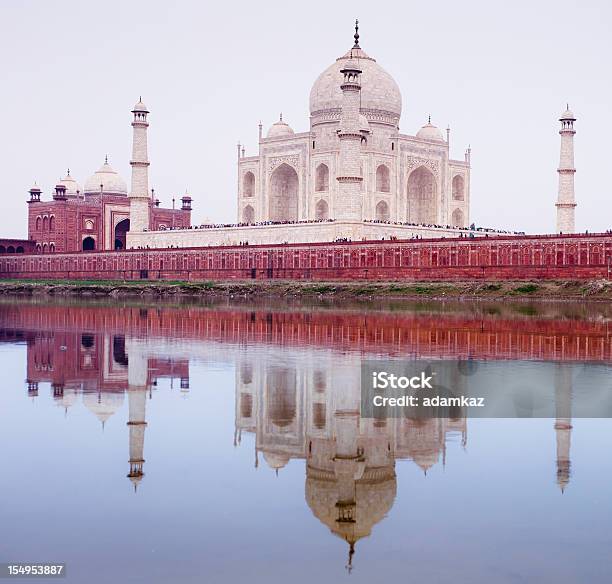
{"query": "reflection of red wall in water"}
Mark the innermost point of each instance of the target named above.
(91, 361)
(505, 336)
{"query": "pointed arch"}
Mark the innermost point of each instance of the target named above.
(422, 196)
(38, 223)
(248, 184)
(322, 178)
(383, 179)
(248, 214)
(283, 194)
(52, 223)
(382, 211)
(322, 211)
(457, 218)
(45, 223)
(281, 396)
(121, 230)
(458, 188)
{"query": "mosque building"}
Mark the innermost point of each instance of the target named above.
(96, 217)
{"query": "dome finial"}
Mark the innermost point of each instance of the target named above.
(106, 159)
(356, 35)
(429, 119)
(281, 117)
(349, 565)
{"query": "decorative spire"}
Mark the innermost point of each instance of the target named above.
(356, 35)
(68, 173)
(281, 116)
(349, 565)
(106, 159)
(429, 119)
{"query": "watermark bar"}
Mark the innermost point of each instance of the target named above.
(421, 389)
(35, 570)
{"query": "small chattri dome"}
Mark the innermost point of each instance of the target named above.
(276, 460)
(568, 114)
(106, 181)
(430, 132)
(279, 129)
(103, 404)
(72, 186)
(140, 107)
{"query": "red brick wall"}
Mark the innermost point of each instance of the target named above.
(9, 245)
(492, 258)
(68, 228)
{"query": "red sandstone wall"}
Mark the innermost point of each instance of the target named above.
(494, 258)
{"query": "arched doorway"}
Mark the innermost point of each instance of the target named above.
(422, 207)
(89, 244)
(383, 181)
(248, 215)
(322, 178)
(458, 188)
(281, 396)
(284, 194)
(322, 211)
(457, 218)
(121, 230)
(382, 211)
(248, 184)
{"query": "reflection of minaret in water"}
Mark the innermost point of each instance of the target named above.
(138, 367)
(563, 423)
(137, 399)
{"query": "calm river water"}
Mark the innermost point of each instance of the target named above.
(162, 442)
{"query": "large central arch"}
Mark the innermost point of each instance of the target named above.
(422, 199)
(283, 194)
(121, 230)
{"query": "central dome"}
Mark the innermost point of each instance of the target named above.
(379, 92)
(106, 181)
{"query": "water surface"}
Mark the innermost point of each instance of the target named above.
(221, 442)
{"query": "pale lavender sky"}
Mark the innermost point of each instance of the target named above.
(500, 75)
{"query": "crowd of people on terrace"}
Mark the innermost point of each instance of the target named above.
(252, 224)
(471, 228)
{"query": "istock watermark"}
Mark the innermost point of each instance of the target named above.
(485, 389)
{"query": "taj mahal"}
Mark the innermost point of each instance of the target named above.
(355, 105)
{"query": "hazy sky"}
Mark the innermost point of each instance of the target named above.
(498, 73)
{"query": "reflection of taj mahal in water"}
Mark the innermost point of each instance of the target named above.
(296, 408)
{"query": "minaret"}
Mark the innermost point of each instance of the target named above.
(563, 423)
(349, 203)
(139, 193)
(566, 203)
